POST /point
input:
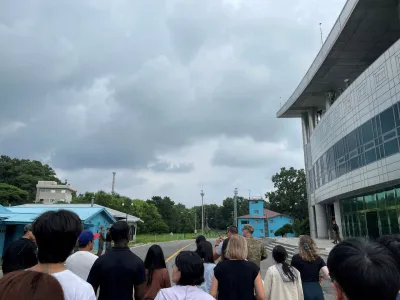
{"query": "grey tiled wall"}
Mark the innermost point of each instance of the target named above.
(375, 90)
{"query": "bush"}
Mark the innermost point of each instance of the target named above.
(285, 229)
(301, 227)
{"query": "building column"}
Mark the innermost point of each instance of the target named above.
(311, 121)
(313, 232)
(338, 216)
(320, 216)
(304, 128)
(329, 98)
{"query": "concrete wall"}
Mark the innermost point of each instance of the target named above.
(277, 222)
(258, 225)
(374, 91)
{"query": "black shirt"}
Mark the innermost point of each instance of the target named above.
(335, 228)
(19, 255)
(116, 273)
(309, 271)
(236, 279)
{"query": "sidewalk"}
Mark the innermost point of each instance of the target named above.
(324, 246)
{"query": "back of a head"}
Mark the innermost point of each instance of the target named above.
(307, 248)
(233, 229)
(155, 258)
(223, 249)
(191, 267)
(200, 239)
(120, 232)
(237, 248)
(56, 234)
(392, 242)
(30, 285)
(364, 271)
(279, 254)
(205, 250)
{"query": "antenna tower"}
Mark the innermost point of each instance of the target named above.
(113, 183)
(320, 30)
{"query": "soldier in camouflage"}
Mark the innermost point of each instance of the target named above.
(255, 247)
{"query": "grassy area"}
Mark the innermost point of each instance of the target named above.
(157, 238)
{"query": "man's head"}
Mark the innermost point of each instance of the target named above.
(56, 233)
(86, 240)
(248, 230)
(231, 230)
(334, 222)
(28, 232)
(392, 242)
(101, 229)
(120, 232)
(362, 270)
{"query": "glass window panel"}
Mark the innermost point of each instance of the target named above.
(381, 199)
(398, 195)
(340, 148)
(369, 145)
(354, 163)
(391, 147)
(356, 225)
(370, 201)
(384, 220)
(352, 140)
(353, 153)
(370, 156)
(396, 114)
(390, 198)
(361, 160)
(363, 230)
(394, 223)
(346, 206)
(398, 131)
(389, 135)
(354, 205)
(387, 120)
(366, 132)
(360, 203)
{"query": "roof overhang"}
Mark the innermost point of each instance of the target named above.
(364, 30)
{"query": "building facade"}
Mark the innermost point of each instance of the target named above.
(264, 221)
(48, 192)
(349, 106)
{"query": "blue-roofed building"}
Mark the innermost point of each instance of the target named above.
(14, 218)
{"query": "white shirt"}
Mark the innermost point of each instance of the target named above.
(179, 292)
(74, 287)
(80, 263)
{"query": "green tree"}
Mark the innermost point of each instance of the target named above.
(169, 212)
(285, 229)
(301, 227)
(290, 195)
(11, 195)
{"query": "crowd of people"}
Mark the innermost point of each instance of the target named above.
(42, 265)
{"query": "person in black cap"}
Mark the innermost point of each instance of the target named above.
(21, 254)
(82, 261)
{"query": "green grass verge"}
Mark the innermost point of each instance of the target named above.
(158, 238)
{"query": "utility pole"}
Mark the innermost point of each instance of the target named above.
(235, 192)
(113, 183)
(195, 228)
(249, 194)
(202, 211)
(320, 30)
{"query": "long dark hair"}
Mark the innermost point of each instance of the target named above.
(280, 255)
(204, 249)
(154, 260)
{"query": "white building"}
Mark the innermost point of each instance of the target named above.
(349, 106)
(49, 192)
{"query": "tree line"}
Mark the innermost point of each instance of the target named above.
(18, 179)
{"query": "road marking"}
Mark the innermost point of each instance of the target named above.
(177, 252)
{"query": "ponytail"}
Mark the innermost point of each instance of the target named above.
(288, 271)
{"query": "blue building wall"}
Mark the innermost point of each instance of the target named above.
(256, 208)
(258, 225)
(95, 223)
(277, 222)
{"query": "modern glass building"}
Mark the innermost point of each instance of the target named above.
(349, 106)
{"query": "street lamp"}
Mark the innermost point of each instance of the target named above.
(235, 192)
(202, 211)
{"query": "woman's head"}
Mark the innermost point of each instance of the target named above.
(188, 269)
(237, 248)
(154, 260)
(223, 249)
(307, 248)
(200, 239)
(30, 285)
(279, 254)
(204, 249)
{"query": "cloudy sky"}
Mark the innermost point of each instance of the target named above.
(173, 95)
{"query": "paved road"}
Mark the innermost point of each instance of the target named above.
(172, 248)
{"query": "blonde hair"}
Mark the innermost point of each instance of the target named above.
(237, 248)
(307, 248)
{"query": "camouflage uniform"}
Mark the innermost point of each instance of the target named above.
(256, 250)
